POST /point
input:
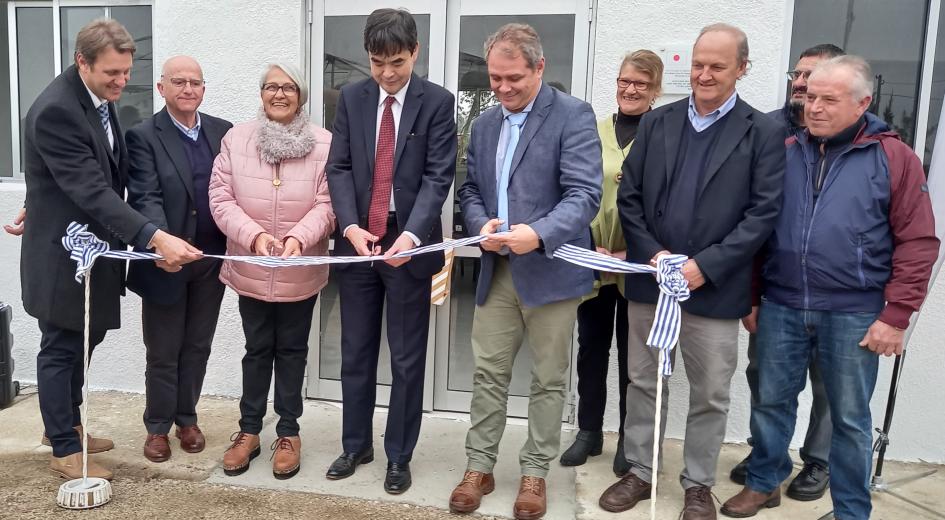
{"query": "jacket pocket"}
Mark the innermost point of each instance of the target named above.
(859, 261)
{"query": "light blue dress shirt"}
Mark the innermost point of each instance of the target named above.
(192, 133)
(700, 123)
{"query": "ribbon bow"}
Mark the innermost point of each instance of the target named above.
(673, 289)
(83, 247)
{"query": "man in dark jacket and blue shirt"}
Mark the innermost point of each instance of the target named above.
(848, 263)
(811, 482)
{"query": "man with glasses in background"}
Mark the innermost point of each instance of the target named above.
(170, 158)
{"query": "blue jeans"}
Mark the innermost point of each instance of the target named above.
(788, 341)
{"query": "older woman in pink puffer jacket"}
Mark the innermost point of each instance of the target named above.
(269, 196)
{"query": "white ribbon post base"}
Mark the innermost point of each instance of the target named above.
(84, 248)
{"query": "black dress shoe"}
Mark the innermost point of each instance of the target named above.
(810, 484)
(740, 471)
(585, 443)
(398, 478)
(344, 466)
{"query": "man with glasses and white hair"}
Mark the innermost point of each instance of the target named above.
(170, 158)
(847, 265)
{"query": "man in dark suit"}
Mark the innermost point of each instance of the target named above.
(535, 169)
(76, 170)
(703, 179)
(392, 161)
(170, 158)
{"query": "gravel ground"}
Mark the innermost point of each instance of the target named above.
(29, 492)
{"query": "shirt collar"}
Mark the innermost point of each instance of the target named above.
(400, 96)
(182, 127)
(715, 114)
(96, 101)
(528, 108)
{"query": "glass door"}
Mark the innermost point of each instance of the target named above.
(564, 27)
(339, 58)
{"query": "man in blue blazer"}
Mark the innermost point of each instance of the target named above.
(170, 159)
(534, 170)
(391, 165)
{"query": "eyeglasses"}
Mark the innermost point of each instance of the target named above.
(795, 74)
(288, 89)
(640, 86)
(182, 82)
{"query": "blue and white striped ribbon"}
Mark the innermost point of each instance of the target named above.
(84, 247)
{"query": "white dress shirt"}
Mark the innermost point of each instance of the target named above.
(97, 102)
(396, 108)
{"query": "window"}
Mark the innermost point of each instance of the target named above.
(890, 35)
(938, 91)
(32, 64)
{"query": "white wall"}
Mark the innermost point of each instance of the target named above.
(232, 60)
(623, 26)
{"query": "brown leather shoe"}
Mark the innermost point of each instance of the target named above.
(156, 448)
(748, 502)
(70, 467)
(191, 438)
(467, 496)
(624, 494)
(698, 504)
(237, 457)
(285, 457)
(530, 503)
(96, 444)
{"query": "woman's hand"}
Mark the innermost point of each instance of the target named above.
(265, 244)
(292, 248)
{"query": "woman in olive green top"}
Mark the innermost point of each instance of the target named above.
(638, 86)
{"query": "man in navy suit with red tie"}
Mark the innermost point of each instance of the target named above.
(391, 165)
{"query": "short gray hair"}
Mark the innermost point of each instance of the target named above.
(740, 37)
(294, 74)
(521, 36)
(862, 84)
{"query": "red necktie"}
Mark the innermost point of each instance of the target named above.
(383, 173)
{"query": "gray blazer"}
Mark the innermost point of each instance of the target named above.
(554, 186)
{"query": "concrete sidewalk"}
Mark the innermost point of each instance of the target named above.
(197, 486)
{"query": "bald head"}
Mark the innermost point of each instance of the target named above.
(182, 88)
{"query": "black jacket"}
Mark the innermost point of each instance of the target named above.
(424, 164)
(161, 187)
(72, 174)
(735, 210)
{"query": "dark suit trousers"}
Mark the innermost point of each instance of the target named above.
(595, 318)
(59, 374)
(362, 290)
(276, 340)
(178, 339)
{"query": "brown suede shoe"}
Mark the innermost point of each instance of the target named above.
(237, 457)
(70, 467)
(530, 503)
(624, 494)
(467, 496)
(156, 448)
(699, 504)
(748, 502)
(285, 457)
(191, 438)
(96, 444)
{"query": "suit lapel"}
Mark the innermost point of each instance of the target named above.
(213, 132)
(532, 123)
(369, 101)
(736, 125)
(408, 115)
(168, 135)
(673, 123)
(85, 102)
